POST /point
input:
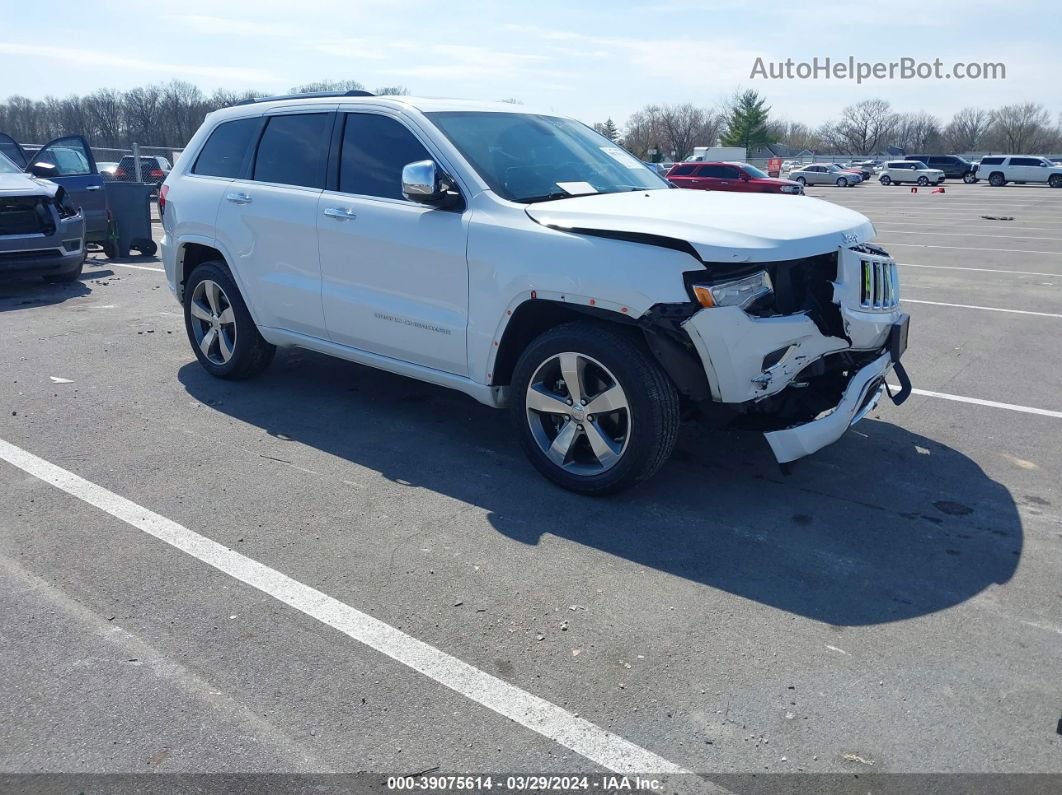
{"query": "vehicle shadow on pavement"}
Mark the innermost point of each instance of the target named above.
(32, 291)
(882, 526)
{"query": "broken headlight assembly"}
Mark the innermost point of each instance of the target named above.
(742, 292)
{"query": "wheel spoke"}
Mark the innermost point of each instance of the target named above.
(562, 444)
(539, 399)
(227, 317)
(213, 293)
(199, 311)
(223, 345)
(572, 365)
(612, 399)
(606, 450)
(207, 342)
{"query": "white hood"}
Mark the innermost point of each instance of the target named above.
(25, 185)
(721, 226)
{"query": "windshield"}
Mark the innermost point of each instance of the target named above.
(918, 164)
(752, 171)
(526, 157)
(7, 167)
(834, 167)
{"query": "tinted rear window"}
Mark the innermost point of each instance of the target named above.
(293, 150)
(991, 161)
(223, 153)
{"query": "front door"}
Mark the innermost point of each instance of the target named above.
(69, 162)
(394, 272)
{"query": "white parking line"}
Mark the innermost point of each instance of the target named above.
(975, 248)
(987, 308)
(1004, 225)
(547, 719)
(964, 234)
(978, 402)
(984, 270)
(134, 267)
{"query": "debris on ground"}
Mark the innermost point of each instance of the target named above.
(57, 380)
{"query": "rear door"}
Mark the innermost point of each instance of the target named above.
(267, 220)
(69, 162)
(9, 146)
(730, 179)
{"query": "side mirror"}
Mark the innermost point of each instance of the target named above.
(424, 182)
(42, 169)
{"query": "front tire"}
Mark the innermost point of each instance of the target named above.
(842, 182)
(969, 178)
(803, 182)
(222, 332)
(923, 181)
(1055, 181)
(69, 276)
(996, 180)
(885, 179)
(593, 411)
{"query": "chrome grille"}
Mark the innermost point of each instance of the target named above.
(879, 287)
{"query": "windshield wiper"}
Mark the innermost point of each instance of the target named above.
(548, 197)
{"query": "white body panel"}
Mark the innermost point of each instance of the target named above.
(428, 293)
(907, 171)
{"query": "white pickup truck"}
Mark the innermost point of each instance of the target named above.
(525, 260)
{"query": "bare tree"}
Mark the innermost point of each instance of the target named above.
(918, 132)
(643, 131)
(328, 85)
(864, 128)
(683, 127)
(967, 129)
(794, 134)
(1020, 129)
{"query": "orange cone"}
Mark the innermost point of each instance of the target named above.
(914, 190)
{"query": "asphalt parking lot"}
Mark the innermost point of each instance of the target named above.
(893, 605)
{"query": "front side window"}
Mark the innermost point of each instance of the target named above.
(293, 150)
(752, 171)
(527, 157)
(222, 155)
(63, 158)
(7, 167)
(375, 149)
(729, 172)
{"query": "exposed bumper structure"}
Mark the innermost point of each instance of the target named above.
(768, 365)
(860, 398)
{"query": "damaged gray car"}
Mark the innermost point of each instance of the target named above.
(41, 231)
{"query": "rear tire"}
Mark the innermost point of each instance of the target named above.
(220, 329)
(635, 426)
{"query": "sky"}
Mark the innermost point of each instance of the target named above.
(588, 59)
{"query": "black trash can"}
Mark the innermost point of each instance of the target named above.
(130, 207)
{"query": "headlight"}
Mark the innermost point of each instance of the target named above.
(789, 189)
(739, 292)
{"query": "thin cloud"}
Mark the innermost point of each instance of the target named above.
(99, 58)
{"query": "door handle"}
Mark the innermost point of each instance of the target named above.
(94, 187)
(341, 213)
(238, 198)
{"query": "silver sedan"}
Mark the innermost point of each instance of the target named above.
(824, 174)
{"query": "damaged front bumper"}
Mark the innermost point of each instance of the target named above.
(805, 378)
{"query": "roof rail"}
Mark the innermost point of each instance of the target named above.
(354, 92)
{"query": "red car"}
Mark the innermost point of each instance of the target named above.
(729, 176)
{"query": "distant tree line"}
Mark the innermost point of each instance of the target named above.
(864, 128)
(166, 114)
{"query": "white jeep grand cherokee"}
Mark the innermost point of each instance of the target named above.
(525, 260)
